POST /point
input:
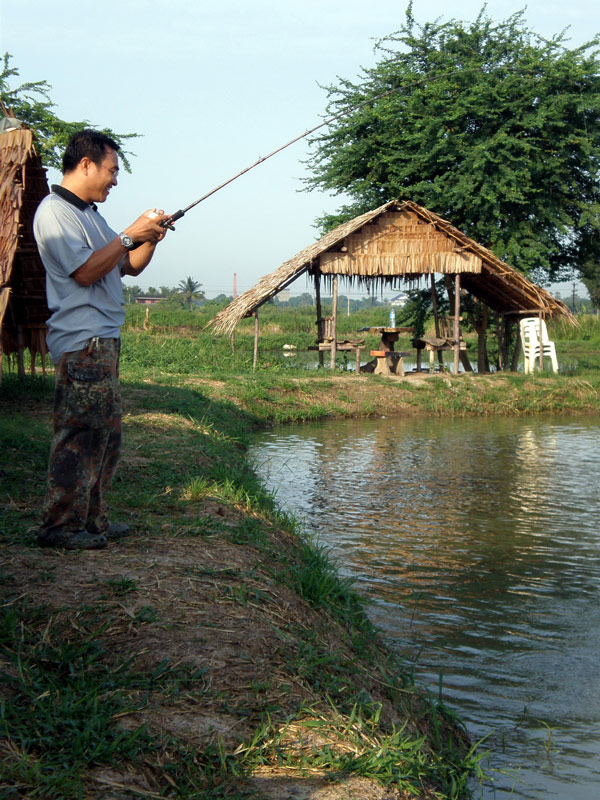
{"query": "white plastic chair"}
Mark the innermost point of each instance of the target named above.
(530, 338)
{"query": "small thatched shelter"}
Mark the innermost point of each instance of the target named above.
(400, 241)
(23, 307)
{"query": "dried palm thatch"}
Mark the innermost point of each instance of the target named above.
(400, 240)
(23, 307)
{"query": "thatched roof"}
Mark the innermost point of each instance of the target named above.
(400, 240)
(23, 308)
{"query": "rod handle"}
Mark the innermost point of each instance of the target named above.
(168, 223)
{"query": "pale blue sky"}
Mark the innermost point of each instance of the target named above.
(212, 87)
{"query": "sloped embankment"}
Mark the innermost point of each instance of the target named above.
(215, 653)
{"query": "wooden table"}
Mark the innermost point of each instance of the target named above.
(389, 336)
(389, 361)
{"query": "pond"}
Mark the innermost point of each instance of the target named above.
(477, 541)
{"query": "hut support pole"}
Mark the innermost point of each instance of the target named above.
(334, 321)
(256, 332)
(319, 313)
(456, 322)
(436, 320)
(20, 353)
(514, 364)
(541, 356)
(500, 326)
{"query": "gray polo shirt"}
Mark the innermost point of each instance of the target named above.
(67, 231)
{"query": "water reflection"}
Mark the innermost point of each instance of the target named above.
(478, 541)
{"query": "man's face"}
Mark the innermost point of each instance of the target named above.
(102, 177)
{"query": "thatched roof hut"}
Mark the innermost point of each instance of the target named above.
(400, 240)
(23, 307)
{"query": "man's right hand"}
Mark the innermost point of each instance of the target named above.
(147, 227)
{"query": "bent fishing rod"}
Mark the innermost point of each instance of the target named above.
(168, 223)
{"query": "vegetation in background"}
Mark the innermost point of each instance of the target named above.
(489, 125)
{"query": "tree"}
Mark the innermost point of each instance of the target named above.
(31, 104)
(188, 289)
(487, 124)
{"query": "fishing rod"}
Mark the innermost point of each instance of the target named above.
(168, 223)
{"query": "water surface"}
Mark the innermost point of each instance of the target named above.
(478, 541)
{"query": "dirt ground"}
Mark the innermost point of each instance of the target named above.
(206, 603)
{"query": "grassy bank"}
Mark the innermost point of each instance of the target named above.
(216, 653)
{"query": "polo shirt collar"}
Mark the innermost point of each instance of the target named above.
(72, 198)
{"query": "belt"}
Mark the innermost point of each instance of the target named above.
(96, 341)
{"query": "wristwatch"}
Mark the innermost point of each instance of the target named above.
(126, 241)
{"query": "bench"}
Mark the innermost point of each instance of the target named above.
(438, 344)
(347, 345)
(389, 362)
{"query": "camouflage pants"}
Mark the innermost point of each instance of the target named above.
(87, 439)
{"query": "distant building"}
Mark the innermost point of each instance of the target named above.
(400, 300)
(149, 301)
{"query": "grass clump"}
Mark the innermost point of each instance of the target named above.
(62, 697)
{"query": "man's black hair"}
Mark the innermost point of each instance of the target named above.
(87, 143)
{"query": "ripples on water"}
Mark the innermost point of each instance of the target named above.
(478, 541)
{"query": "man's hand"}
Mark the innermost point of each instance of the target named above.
(147, 227)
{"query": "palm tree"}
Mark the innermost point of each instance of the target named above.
(188, 289)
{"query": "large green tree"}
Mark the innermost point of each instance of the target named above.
(30, 103)
(486, 123)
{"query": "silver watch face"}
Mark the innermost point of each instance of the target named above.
(126, 240)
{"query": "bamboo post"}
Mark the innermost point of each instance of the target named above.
(334, 321)
(436, 320)
(256, 331)
(20, 353)
(456, 322)
(514, 364)
(500, 322)
(319, 314)
(541, 355)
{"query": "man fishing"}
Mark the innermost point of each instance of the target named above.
(84, 261)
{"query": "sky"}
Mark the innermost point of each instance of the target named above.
(212, 87)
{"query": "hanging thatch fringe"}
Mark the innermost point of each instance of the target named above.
(399, 241)
(382, 265)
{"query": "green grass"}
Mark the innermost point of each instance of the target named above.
(63, 696)
(66, 692)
